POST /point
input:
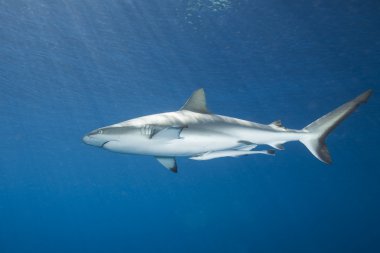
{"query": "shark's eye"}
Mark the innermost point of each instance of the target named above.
(100, 132)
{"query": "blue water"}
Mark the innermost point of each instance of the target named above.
(69, 66)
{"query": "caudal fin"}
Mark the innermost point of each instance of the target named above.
(316, 132)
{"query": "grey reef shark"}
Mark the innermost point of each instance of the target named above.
(194, 132)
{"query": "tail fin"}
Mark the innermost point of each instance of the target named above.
(317, 131)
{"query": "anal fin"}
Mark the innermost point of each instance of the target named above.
(278, 146)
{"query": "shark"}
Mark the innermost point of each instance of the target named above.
(194, 132)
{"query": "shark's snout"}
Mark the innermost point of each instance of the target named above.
(86, 139)
(92, 140)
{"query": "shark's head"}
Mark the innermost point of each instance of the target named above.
(111, 137)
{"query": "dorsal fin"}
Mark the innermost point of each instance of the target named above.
(196, 103)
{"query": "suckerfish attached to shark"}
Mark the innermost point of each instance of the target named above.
(196, 133)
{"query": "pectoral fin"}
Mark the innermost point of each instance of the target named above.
(168, 133)
(169, 163)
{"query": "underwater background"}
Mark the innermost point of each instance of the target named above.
(70, 66)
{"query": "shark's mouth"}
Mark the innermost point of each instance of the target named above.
(102, 146)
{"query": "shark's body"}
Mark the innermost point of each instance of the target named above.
(194, 132)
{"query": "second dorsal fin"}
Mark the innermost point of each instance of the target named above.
(277, 123)
(197, 102)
